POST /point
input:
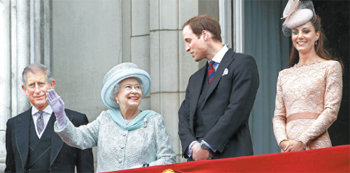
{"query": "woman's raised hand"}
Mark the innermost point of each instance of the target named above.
(57, 106)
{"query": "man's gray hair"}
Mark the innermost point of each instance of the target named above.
(34, 68)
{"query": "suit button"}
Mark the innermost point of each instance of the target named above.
(122, 147)
(120, 160)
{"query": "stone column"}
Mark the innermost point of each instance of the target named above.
(238, 26)
(24, 38)
(170, 67)
(20, 47)
(40, 35)
(5, 74)
(30, 43)
(225, 20)
(136, 42)
(140, 41)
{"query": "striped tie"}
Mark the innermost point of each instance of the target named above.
(211, 70)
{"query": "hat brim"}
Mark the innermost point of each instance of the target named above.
(107, 89)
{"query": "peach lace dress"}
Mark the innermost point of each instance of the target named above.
(315, 88)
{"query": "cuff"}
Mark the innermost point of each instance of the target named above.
(302, 139)
(189, 149)
(211, 148)
(279, 143)
(61, 125)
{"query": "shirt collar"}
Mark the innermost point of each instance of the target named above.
(218, 57)
(47, 110)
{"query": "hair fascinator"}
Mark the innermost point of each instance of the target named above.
(296, 13)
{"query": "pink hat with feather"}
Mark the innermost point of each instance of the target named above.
(296, 13)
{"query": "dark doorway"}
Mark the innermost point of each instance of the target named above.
(335, 19)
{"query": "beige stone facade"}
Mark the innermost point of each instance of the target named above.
(80, 40)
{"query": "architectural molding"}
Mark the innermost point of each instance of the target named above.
(25, 37)
(238, 25)
(225, 20)
(5, 76)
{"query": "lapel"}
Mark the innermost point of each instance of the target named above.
(56, 142)
(22, 135)
(225, 62)
(196, 90)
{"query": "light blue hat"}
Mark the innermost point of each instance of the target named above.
(119, 73)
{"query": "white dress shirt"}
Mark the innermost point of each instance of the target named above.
(218, 56)
(46, 116)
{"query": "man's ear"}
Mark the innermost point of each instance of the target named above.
(24, 90)
(205, 35)
(52, 84)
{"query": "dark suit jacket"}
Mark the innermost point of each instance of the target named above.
(63, 158)
(226, 109)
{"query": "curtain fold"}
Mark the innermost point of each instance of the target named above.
(264, 40)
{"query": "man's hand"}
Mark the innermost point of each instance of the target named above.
(198, 153)
(57, 106)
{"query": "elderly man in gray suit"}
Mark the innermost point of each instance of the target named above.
(213, 118)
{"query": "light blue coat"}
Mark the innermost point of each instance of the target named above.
(119, 149)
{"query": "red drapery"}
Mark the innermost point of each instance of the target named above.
(333, 159)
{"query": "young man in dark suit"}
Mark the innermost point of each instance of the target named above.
(31, 143)
(213, 118)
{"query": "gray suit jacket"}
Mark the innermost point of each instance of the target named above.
(226, 109)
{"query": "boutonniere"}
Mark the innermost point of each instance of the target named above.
(225, 72)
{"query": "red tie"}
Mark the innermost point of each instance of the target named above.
(211, 70)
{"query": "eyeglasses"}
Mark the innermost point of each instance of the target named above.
(131, 87)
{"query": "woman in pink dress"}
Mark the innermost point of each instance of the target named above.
(309, 92)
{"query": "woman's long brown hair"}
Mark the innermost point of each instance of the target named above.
(319, 47)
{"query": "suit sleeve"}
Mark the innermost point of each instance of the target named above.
(85, 160)
(245, 83)
(185, 133)
(10, 160)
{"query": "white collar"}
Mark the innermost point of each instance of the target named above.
(47, 110)
(218, 56)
